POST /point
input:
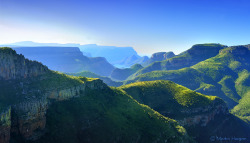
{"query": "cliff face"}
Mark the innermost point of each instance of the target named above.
(13, 66)
(160, 56)
(205, 115)
(25, 115)
(66, 59)
(28, 118)
(5, 125)
(236, 51)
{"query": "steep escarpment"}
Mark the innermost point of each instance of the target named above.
(29, 118)
(15, 66)
(27, 89)
(114, 55)
(66, 59)
(134, 59)
(54, 107)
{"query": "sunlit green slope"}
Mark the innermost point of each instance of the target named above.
(226, 75)
(192, 56)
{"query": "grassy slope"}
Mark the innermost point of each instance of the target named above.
(166, 96)
(109, 116)
(106, 80)
(215, 74)
(225, 75)
(170, 99)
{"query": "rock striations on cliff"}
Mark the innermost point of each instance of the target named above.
(13, 66)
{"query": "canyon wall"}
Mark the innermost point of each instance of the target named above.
(28, 118)
(13, 66)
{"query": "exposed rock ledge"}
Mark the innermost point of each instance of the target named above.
(207, 115)
(28, 119)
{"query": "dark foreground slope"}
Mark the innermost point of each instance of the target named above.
(39, 105)
(203, 116)
(108, 116)
(67, 59)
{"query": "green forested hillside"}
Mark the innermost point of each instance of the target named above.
(225, 75)
(40, 105)
(109, 116)
(203, 116)
(192, 56)
(168, 97)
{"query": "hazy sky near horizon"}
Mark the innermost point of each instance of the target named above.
(147, 25)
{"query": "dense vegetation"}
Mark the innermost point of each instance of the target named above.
(192, 56)
(177, 102)
(225, 75)
(109, 116)
(168, 98)
(98, 114)
(119, 115)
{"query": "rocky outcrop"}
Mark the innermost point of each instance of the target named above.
(26, 115)
(205, 115)
(66, 93)
(29, 118)
(13, 66)
(160, 56)
(236, 50)
(5, 125)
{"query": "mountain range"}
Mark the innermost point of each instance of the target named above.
(66, 59)
(225, 75)
(117, 56)
(200, 95)
(40, 105)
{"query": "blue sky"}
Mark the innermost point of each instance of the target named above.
(147, 25)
